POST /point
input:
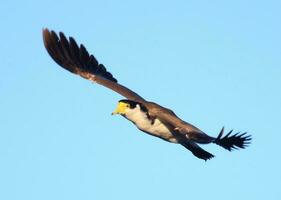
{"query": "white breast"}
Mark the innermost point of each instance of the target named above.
(141, 120)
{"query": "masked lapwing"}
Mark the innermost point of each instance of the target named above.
(147, 116)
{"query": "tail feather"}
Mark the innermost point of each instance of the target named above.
(235, 141)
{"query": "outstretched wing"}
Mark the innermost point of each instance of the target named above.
(77, 60)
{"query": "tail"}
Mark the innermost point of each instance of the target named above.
(235, 141)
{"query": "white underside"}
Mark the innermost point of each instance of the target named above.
(158, 129)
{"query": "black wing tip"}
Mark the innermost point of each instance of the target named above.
(235, 141)
(211, 156)
(204, 156)
(71, 56)
(198, 151)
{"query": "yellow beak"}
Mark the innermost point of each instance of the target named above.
(115, 112)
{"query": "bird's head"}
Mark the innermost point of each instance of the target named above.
(125, 106)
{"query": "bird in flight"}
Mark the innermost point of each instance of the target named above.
(147, 116)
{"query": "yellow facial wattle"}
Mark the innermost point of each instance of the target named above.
(121, 107)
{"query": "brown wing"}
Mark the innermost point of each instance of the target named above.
(168, 117)
(77, 60)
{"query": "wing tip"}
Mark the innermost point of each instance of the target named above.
(67, 53)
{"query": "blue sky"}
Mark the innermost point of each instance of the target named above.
(214, 63)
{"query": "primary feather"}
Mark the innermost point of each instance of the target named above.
(72, 57)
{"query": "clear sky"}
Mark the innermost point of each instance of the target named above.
(215, 63)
